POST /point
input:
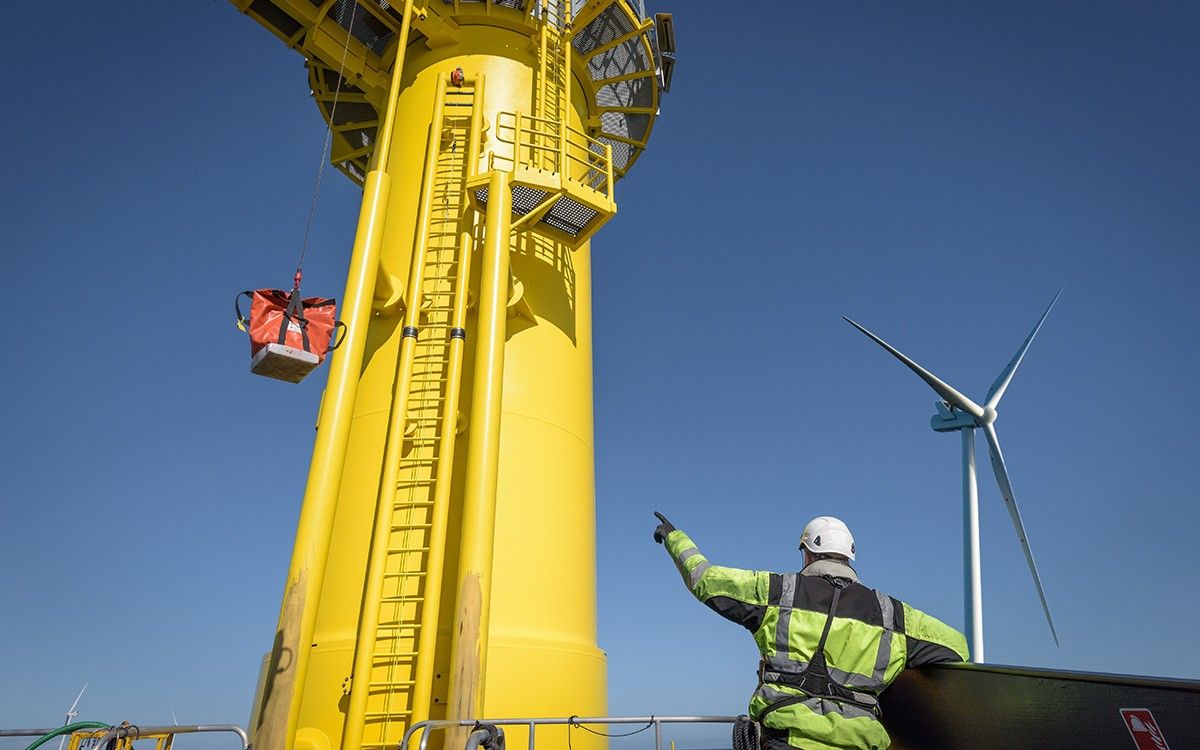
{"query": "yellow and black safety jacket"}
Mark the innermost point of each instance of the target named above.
(829, 645)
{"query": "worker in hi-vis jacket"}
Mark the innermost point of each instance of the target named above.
(829, 644)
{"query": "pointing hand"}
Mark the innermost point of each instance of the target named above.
(663, 529)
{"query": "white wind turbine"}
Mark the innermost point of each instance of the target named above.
(957, 412)
(71, 714)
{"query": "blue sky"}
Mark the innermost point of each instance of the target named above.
(934, 170)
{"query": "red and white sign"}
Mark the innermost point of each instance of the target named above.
(1144, 730)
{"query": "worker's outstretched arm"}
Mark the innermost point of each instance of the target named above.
(735, 594)
(928, 640)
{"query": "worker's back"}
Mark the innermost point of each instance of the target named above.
(823, 666)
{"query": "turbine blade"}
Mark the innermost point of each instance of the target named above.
(1015, 513)
(943, 389)
(77, 698)
(1006, 375)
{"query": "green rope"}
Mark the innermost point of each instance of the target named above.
(68, 729)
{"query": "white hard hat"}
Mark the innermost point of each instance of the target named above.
(825, 535)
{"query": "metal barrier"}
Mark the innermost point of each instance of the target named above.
(532, 724)
(97, 737)
(546, 144)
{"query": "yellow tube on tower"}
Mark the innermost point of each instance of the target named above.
(445, 558)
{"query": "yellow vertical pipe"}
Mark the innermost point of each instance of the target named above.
(298, 614)
(368, 621)
(383, 147)
(427, 636)
(476, 128)
(297, 617)
(469, 648)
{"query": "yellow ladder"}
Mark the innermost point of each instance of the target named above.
(391, 686)
(551, 97)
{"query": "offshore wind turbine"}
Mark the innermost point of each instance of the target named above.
(71, 714)
(956, 412)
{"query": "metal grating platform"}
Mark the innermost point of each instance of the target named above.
(632, 58)
(610, 39)
(568, 216)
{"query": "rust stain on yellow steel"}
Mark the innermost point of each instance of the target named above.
(466, 676)
(268, 720)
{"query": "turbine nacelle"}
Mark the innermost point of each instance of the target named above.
(950, 419)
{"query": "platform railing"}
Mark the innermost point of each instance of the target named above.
(88, 738)
(652, 722)
(544, 143)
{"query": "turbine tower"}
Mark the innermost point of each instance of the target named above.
(444, 562)
(956, 412)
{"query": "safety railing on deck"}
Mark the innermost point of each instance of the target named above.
(126, 734)
(548, 145)
(655, 722)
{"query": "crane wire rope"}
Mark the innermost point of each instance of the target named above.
(325, 147)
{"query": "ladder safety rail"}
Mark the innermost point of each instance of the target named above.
(427, 635)
(391, 679)
(426, 728)
(369, 625)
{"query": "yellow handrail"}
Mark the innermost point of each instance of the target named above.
(571, 146)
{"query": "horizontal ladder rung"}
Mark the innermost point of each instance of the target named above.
(409, 526)
(402, 658)
(419, 422)
(401, 599)
(391, 684)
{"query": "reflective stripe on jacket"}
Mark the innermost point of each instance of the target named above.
(873, 637)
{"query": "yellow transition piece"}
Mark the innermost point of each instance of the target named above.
(444, 563)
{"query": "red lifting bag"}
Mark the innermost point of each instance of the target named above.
(294, 333)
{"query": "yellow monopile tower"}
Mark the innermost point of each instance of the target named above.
(444, 563)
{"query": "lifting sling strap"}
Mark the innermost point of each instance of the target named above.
(294, 315)
(815, 681)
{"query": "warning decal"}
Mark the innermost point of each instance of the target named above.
(1144, 730)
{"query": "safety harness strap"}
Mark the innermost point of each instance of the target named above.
(815, 681)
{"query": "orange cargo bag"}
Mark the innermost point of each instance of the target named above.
(289, 336)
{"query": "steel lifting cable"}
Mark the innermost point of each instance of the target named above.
(325, 147)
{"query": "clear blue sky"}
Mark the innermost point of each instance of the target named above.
(935, 170)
